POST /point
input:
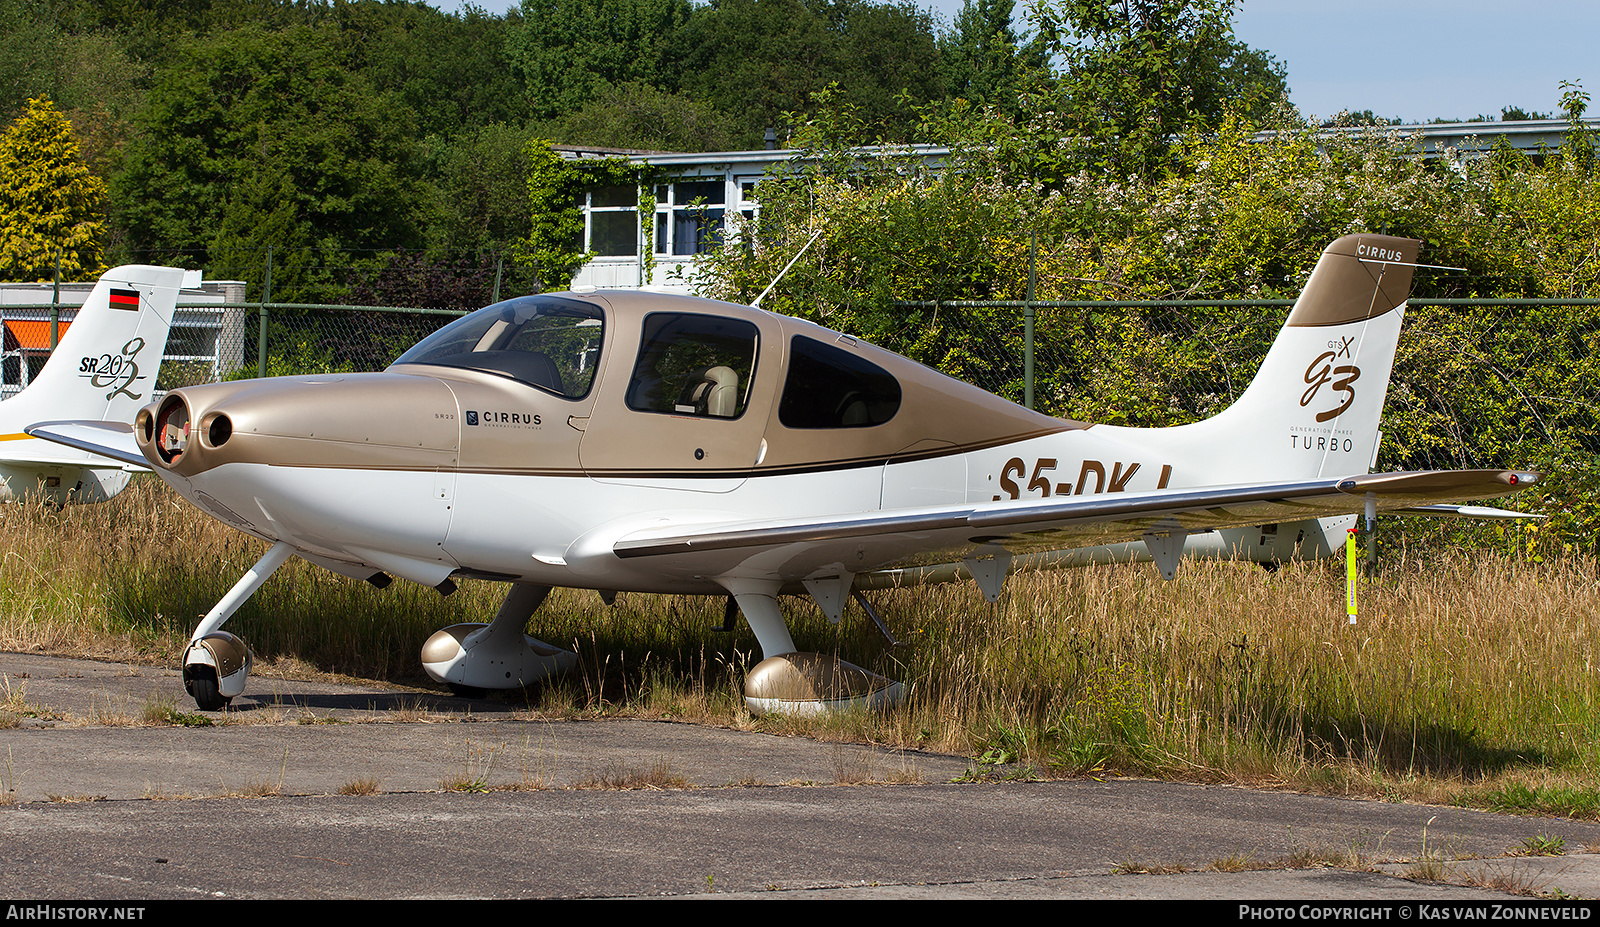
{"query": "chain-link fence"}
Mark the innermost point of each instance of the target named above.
(255, 340)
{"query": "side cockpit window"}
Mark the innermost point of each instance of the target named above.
(547, 342)
(829, 387)
(693, 365)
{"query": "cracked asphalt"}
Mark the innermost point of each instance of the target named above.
(325, 790)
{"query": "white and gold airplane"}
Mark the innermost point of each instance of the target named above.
(104, 368)
(629, 441)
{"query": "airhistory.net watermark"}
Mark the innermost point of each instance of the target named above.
(71, 912)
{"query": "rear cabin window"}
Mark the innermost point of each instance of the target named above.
(829, 387)
(693, 365)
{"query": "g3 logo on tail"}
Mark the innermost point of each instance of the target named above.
(1322, 371)
(115, 371)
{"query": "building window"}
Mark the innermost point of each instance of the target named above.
(689, 216)
(614, 221)
(692, 215)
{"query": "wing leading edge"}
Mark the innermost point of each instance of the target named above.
(796, 549)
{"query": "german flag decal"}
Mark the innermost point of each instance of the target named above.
(125, 299)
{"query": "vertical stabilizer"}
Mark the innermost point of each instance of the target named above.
(103, 369)
(1313, 407)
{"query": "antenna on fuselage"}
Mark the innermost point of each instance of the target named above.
(757, 303)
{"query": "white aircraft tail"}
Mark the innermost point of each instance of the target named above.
(103, 370)
(1313, 408)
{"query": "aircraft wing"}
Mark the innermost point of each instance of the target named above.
(799, 549)
(107, 439)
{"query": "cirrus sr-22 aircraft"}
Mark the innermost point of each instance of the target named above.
(631, 441)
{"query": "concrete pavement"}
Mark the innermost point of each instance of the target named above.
(325, 790)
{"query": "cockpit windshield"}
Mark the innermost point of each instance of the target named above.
(544, 341)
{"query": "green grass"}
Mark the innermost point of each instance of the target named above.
(1469, 678)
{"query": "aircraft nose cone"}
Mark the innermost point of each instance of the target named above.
(171, 439)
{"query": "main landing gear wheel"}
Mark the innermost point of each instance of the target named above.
(473, 660)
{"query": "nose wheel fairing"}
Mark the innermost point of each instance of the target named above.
(215, 668)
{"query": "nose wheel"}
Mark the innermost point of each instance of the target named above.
(217, 664)
(215, 668)
(205, 694)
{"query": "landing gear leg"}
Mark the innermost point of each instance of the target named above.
(216, 664)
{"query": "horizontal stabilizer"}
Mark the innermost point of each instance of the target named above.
(108, 439)
(1486, 512)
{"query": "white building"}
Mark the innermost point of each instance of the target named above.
(693, 210)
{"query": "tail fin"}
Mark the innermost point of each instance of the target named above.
(104, 369)
(105, 366)
(1313, 407)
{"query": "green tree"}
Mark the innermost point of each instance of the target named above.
(888, 63)
(1579, 145)
(762, 59)
(568, 51)
(51, 205)
(87, 72)
(480, 190)
(645, 118)
(452, 70)
(1516, 114)
(255, 138)
(983, 57)
(1139, 73)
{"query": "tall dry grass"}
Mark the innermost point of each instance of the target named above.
(1465, 667)
(1459, 666)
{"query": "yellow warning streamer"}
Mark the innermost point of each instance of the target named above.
(1350, 574)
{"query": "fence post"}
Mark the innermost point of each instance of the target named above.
(261, 338)
(1027, 321)
(55, 306)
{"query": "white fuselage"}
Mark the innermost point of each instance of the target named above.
(560, 530)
